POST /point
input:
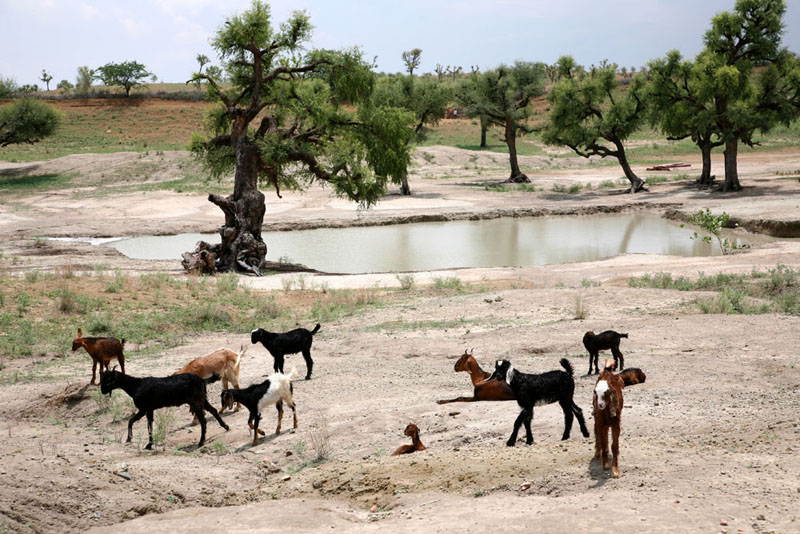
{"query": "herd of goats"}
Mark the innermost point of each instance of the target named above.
(188, 386)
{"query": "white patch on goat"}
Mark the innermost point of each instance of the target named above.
(509, 374)
(253, 331)
(278, 390)
(600, 390)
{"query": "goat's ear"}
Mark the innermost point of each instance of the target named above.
(114, 368)
(80, 334)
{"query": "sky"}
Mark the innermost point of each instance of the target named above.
(167, 35)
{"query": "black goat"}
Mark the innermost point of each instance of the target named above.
(274, 390)
(609, 339)
(151, 393)
(279, 345)
(545, 388)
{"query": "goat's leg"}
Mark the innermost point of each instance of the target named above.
(458, 399)
(279, 406)
(581, 422)
(256, 431)
(94, 371)
(201, 416)
(278, 366)
(604, 445)
(615, 450)
(138, 415)
(309, 362)
(207, 406)
(121, 360)
(253, 428)
(528, 431)
(150, 430)
(598, 429)
(235, 381)
(294, 414)
(618, 356)
(590, 364)
(566, 407)
(517, 423)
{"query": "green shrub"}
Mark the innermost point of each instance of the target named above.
(407, 281)
(450, 282)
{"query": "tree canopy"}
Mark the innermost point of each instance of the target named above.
(128, 74)
(426, 99)
(280, 121)
(593, 113)
(503, 96)
(27, 121)
(412, 59)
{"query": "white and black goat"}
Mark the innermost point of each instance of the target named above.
(276, 390)
(151, 393)
(535, 389)
(291, 342)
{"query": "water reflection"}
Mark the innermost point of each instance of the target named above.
(487, 243)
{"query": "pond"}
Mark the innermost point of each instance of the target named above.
(507, 242)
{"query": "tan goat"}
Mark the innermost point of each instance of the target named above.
(222, 362)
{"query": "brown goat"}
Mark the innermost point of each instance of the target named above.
(632, 376)
(494, 390)
(222, 362)
(102, 350)
(607, 410)
(412, 431)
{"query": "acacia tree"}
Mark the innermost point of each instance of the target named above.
(27, 121)
(682, 107)
(128, 74)
(426, 99)
(46, 78)
(502, 96)
(736, 43)
(412, 59)
(280, 121)
(593, 115)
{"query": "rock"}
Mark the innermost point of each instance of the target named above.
(317, 484)
(373, 509)
(124, 474)
(498, 299)
(488, 301)
(524, 486)
(288, 453)
(723, 523)
(761, 517)
(286, 478)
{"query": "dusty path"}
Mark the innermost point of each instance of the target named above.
(709, 443)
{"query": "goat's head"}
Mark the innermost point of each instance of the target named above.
(605, 396)
(503, 371)
(411, 430)
(227, 400)
(109, 381)
(588, 335)
(461, 363)
(255, 336)
(78, 341)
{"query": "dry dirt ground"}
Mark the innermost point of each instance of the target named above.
(709, 442)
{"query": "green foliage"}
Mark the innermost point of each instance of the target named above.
(592, 114)
(303, 132)
(83, 80)
(451, 282)
(128, 74)
(64, 86)
(407, 281)
(27, 121)
(712, 224)
(8, 86)
(412, 59)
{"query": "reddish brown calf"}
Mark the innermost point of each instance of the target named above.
(102, 350)
(607, 410)
(491, 390)
(416, 445)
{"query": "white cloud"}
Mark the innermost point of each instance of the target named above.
(88, 11)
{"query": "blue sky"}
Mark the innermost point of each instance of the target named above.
(167, 35)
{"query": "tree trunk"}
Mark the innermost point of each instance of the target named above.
(242, 248)
(731, 170)
(511, 140)
(483, 136)
(405, 189)
(705, 174)
(637, 184)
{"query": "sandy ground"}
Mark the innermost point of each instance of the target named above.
(709, 442)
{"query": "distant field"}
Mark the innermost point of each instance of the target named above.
(116, 125)
(153, 124)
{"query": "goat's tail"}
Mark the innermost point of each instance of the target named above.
(623, 335)
(211, 379)
(316, 329)
(566, 365)
(123, 342)
(242, 350)
(292, 373)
